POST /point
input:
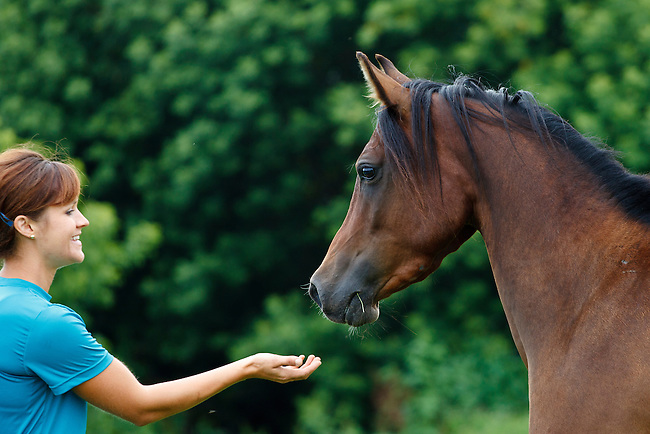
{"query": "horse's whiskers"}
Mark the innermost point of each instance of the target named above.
(363, 309)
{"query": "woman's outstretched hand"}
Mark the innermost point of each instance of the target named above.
(282, 369)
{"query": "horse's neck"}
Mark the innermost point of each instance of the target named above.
(556, 241)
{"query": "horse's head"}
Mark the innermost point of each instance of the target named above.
(411, 206)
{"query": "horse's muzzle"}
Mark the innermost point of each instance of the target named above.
(344, 307)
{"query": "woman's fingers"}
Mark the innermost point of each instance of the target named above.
(310, 365)
(285, 368)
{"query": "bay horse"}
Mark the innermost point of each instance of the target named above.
(566, 227)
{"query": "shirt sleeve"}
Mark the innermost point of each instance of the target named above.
(62, 352)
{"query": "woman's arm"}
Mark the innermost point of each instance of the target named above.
(117, 391)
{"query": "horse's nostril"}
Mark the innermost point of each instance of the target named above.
(313, 293)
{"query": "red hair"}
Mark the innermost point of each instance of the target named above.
(29, 183)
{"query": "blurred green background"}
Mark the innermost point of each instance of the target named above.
(217, 138)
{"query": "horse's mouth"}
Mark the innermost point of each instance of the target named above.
(356, 311)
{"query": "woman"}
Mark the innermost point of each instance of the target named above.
(50, 366)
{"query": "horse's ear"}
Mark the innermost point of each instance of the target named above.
(385, 89)
(391, 70)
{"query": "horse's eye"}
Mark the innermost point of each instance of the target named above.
(367, 172)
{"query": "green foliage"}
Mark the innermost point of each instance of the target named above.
(7, 136)
(218, 137)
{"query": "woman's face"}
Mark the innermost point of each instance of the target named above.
(57, 233)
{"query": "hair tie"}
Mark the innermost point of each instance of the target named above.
(5, 219)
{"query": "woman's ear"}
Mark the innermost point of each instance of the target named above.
(23, 225)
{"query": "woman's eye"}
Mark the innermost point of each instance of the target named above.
(367, 172)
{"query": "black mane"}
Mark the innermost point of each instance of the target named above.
(520, 111)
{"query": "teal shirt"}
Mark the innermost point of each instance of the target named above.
(45, 351)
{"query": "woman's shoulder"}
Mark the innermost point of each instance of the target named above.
(19, 303)
(24, 302)
(55, 313)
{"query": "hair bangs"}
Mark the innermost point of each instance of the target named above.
(63, 183)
